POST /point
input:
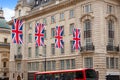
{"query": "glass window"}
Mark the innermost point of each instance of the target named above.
(61, 16)
(48, 65)
(37, 66)
(29, 66)
(44, 21)
(110, 9)
(33, 66)
(43, 66)
(30, 38)
(110, 32)
(19, 12)
(53, 65)
(107, 62)
(111, 29)
(37, 51)
(53, 49)
(87, 25)
(116, 63)
(88, 62)
(87, 32)
(79, 75)
(71, 28)
(71, 46)
(18, 66)
(88, 41)
(90, 74)
(44, 50)
(19, 49)
(52, 19)
(87, 8)
(68, 64)
(62, 65)
(53, 32)
(73, 63)
(29, 52)
(62, 49)
(111, 63)
(111, 41)
(71, 13)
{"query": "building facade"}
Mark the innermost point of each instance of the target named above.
(4, 47)
(99, 22)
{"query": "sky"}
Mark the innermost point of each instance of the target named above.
(8, 7)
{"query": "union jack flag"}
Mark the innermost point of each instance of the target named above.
(17, 35)
(76, 39)
(59, 37)
(39, 34)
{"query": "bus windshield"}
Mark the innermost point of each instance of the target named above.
(90, 74)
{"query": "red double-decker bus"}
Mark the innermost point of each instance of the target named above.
(75, 74)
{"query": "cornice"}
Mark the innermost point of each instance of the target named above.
(86, 16)
(111, 16)
(48, 9)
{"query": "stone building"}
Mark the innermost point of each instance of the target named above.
(4, 47)
(99, 22)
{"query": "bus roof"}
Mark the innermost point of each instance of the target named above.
(60, 71)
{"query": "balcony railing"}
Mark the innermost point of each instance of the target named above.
(18, 57)
(5, 56)
(5, 44)
(4, 69)
(112, 48)
(87, 48)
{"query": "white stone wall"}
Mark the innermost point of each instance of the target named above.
(99, 37)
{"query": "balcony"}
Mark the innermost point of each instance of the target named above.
(18, 57)
(4, 69)
(111, 48)
(4, 44)
(5, 56)
(88, 48)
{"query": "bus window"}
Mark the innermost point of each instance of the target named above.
(70, 76)
(79, 75)
(62, 76)
(57, 77)
(91, 74)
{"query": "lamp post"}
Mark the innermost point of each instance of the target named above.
(44, 60)
(119, 61)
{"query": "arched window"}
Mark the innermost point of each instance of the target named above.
(87, 32)
(110, 32)
(88, 45)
